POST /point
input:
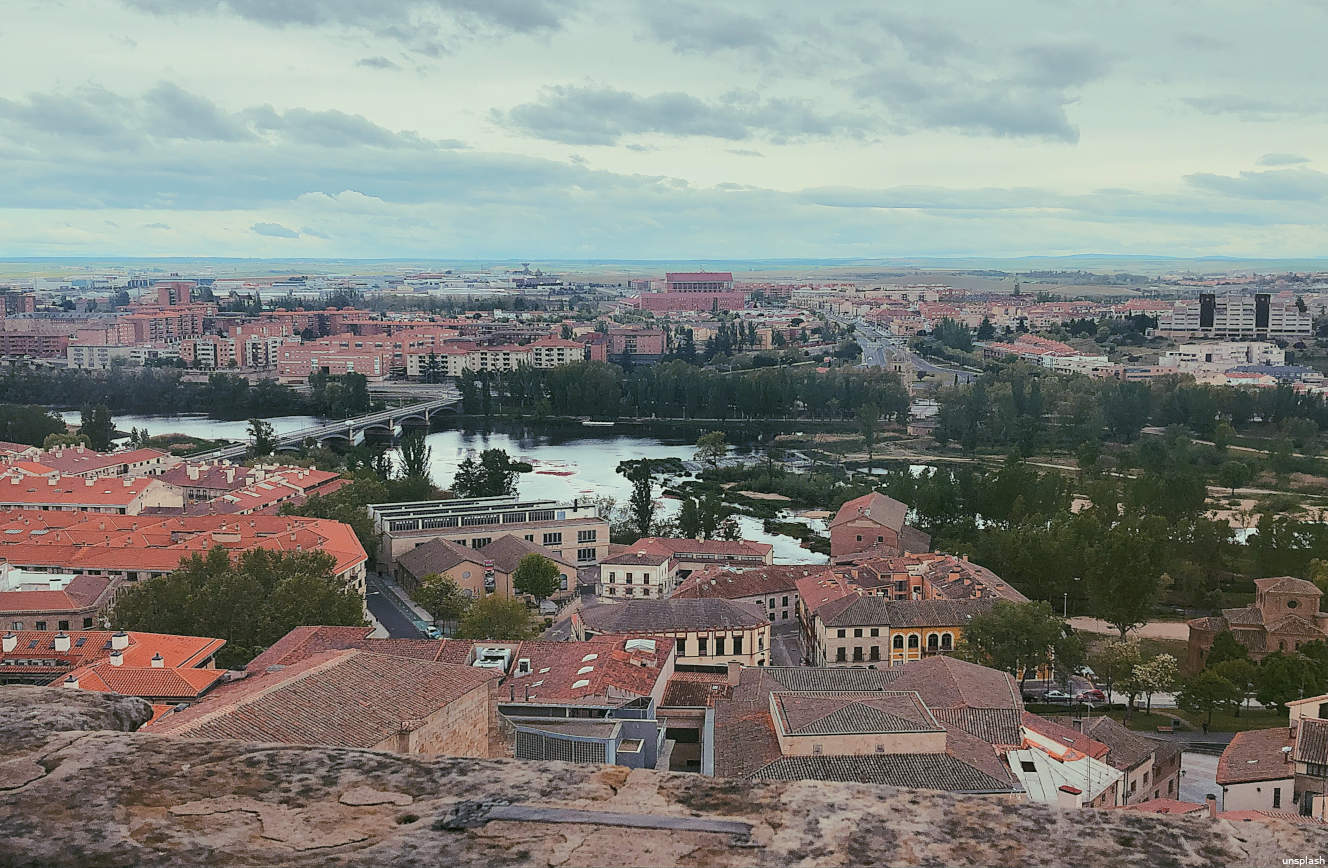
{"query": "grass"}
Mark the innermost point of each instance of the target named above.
(1142, 721)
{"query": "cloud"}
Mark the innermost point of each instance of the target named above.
(518, 16)
(273, 230)
(1286, 185)
(156, 226)
(314, 233)
(691, 29)
(744, 152)
(377, 62)
(1282, 159)
(335, 129)
(1255, 108)
(594, 115)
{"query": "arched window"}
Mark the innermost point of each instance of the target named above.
(933, 641)
(913, 641)
(947, 642)
(899, 641)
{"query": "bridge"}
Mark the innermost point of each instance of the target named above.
(351, 431)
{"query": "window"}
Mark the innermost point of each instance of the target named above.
(585, 554)
(841, 655)
(62, 625)
(1027, 766)
(899, 642)
(613, 592)
(1291, 604)
(719, 646)
(857, 653)
(785, 603)
(645, 592)
(933, 642)
(682, 647)
(553, 539)
(41, 625)
(876, 652)
(1277, 797)
(859, 537)
(875, 631)
(913, 641)
(629, 591)
(857, 632)
(629, 578)
(612, 575)
(840, 634)
(737, 644)
(87, 623)
(817, 750)
(562, 581)
(480, 542)
(701, 646)
(585, 536)
(880, 539)
(947, 642)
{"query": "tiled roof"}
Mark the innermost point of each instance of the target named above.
(1249, 615)
(1071, 738)
(598, 670)
(716, 547)
(304, 642)
(182, 683)
(696, 689)
(1256, 755)
(345, 698)
(821, 679)
(1294, 625)
(875, 506)
(992, 725)
(90, 646)
(1162, 806)
(436, 556)
(874, 611)
(646, 616)
(19, 490)
(74, 460)
(734, 583)
(641, 557)
(945, 682)
(853, 713)
(81, 592)
(1287, 585)
(507, 551)
(1127, 748)
(925, 771)
(1312, 741)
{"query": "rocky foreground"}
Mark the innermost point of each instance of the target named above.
(79, 788)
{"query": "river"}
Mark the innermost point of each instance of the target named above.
(569, 462)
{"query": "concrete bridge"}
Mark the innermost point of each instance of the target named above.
(352, 431)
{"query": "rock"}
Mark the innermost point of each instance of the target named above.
(29, 714)
(134, 798)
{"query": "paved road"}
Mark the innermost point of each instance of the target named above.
(785, 646)
(877, 349)
(1198, 777)
(398, 624)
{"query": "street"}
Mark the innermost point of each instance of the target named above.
(399, 624)
(1198, 777)
(785, 645)
(878, 348)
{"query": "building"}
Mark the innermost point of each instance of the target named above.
(1257, 771)
(1285, 615)
(486, 570)
(1210, 356)
(694, 290)
(641, 573)
(938, 724)
(133, 548)
(690, 555)
(116, 496)
(707, 632)
(37, 657)
(83, 461)
(266, 494)
(52, 601)
(858, 630)
(351, 698)
(876, 523)
(1236, 316)
(773, 589)
(573, 530)
(1150, 769)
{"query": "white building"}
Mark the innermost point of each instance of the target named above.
(1236, 315)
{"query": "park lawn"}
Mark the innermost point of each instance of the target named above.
(1142, 721)
(1250, 718)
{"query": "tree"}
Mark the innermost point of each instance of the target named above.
(1116, 662)
(1225, 647)
(494, 474)
(29, 424)
(986, 331)
(1018, 638)
(96, 424)
(641, 504)
(1283, 677)
(498, 618)
(415, 456)
(689, 518)
(869, 417)
(441, 597)
(1206, 693)
(1234, 474)
(537, 576)
(251, 601)
(1123, 572)
(262, 437)
(710, 448)
(1240, 672)
(1158, 675)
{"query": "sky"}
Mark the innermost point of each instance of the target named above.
(592, 129)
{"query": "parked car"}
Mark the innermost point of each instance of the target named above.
(1055, 695)
(1034, 694)
(1093, 695)
(432, 632)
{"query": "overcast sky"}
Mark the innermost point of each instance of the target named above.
(584, 129)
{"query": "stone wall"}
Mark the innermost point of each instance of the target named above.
(109, 797)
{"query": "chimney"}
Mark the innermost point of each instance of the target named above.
(1211, 801)
(734, 672)
(1068, 796)
(71, 681)
(192, 471)
(117, 658)
(157, 661)
(10, 642)
(119, 641)
(62, 641)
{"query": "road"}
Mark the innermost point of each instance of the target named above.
(785, 646)
(878, 348)
(1176, 630)
(395, 620)
(1198, 777)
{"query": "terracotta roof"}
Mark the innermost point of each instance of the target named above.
(1287, 585)
(875, 506)
(18, 490)
(1162, 806)
(1312, 741)
(75, 460)
(507, 551)
(345, 698)
(642, 557)
(853, 713)
(872, 610)
(91, 646)
(180, 683)
(605, 670)
(926, 771)
(1248, 615)
(696, 689)
(78, 594)
(734, 583)
(647, 616)
(819, 588)
(436, 556)
(1256, 755)
(304, 642)
(1071, 738)
(1127, 748)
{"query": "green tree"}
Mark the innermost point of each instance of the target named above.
(710, 448)
(641, 504)
(1208, 692)
(537, 576)
(1018, 638)
(347, 505)
(29, 424)
(869, 418)
(262, 438)
(1116, 662)
(493, 474)
(1225, 647)
(251, 601)
(1234, 474)
(1283, 677)
(416, 455)
(986, 331)
(689, 518)
(96, 424)
(1240, 672)
(1123, 571)
(498, 618)
(1157, 675)
(441, 597)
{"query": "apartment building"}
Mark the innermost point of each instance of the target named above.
(52, 601)
(573, 530)
(1211, 356)
(126, 496)
(636, 573)
(858, 630)
(488, 569)
(706, 632)
(1236, 316)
